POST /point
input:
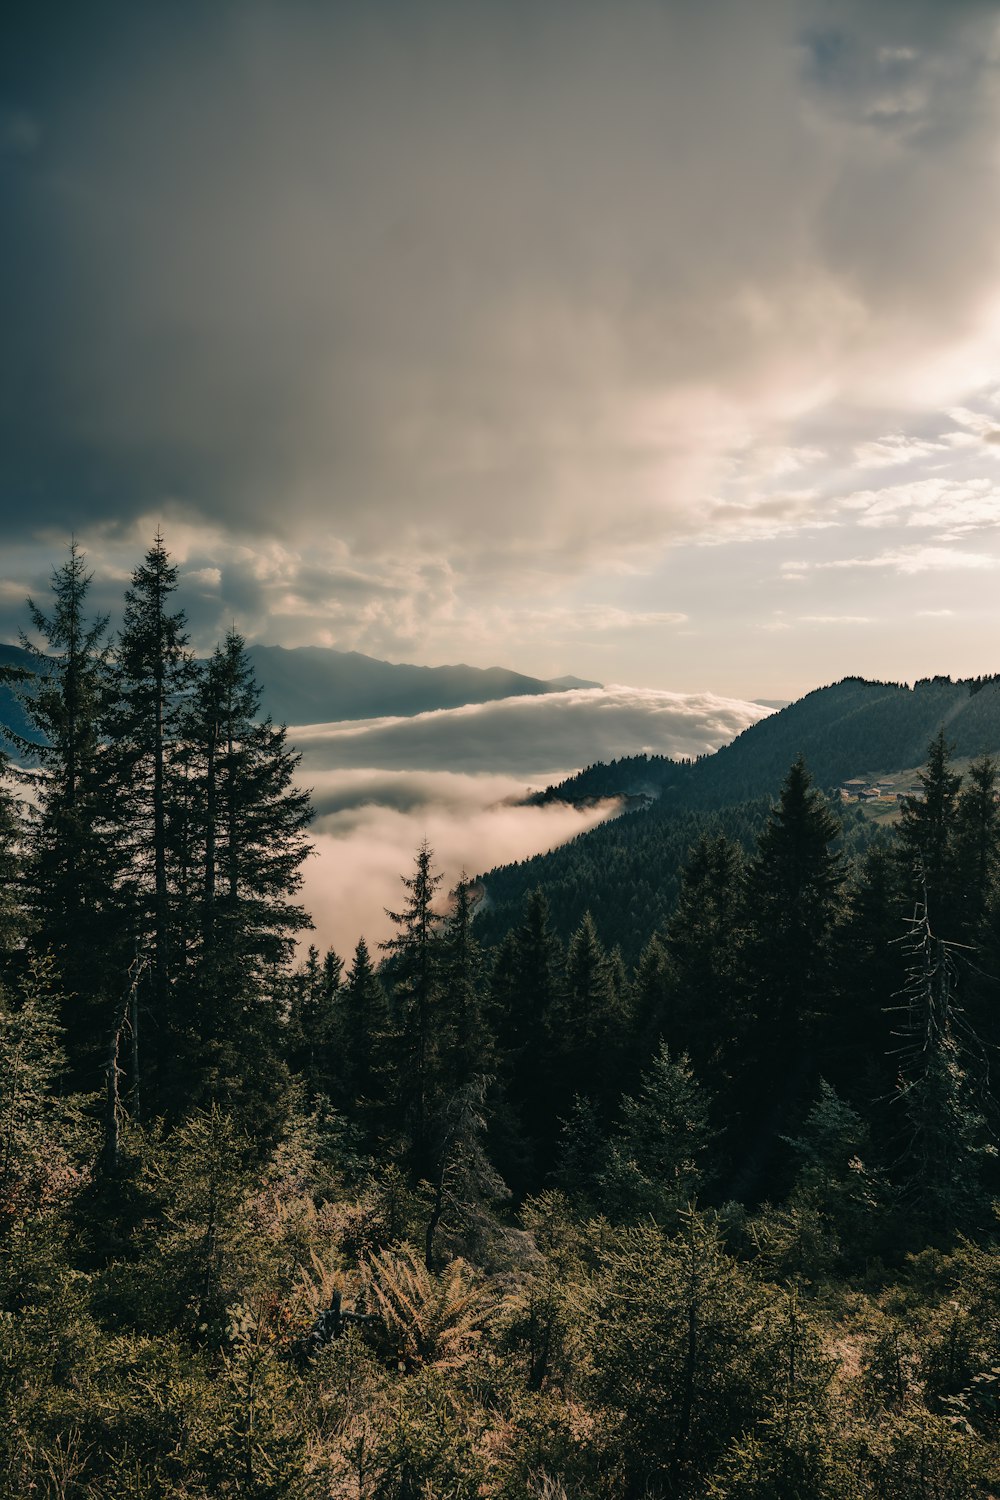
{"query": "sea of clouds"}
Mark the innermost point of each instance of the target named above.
(458, 777)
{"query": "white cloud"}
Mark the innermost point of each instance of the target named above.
(836, 619)
(894, 449)
(360, 855)
(455, 777)
(531, 737)
(946, 504)
(908, 560)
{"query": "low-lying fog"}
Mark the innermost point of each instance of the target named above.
(456, 777)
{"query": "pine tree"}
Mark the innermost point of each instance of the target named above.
(926, 842)
(656, 1157)
(703, 943)
(943, 1150)
(416, 995)
(869, 971)
(977, 846)
(588, 1029)
(244, 843)
(527, 1026)
(153, 673)
(13, 916)
(74, 861)
(313, 1011)
(793, 894)
(361, 1038)
(466, 1042)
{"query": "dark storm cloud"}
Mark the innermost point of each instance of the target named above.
(505, 277)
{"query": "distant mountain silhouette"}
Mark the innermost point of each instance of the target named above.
(316, 684)
(11, 712)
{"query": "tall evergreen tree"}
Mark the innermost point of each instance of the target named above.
(793, 891)
(153, 673)
(361, 1038)
(467, 1045)
(415, 972)
(527, 1027)
(703, 942)
(12, 909)
(75, 861)
(245, 838)
(926, 842)
(859, 1035)
(942, 1134)
(589, 1028)
(977, 846)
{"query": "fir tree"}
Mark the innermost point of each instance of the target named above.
(656, 1157)
(245, 839)
(793, 892)
(466, 1043)
(416, 994)
(74, 862)
(153, 673)
(926, 842)
(588, 1029)
(528, 1029)
(703, 942)
(361, 1037)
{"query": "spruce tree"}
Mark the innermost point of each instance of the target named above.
(466, 1043)
(977, 846)
(868, 966)
(74, 862)
(245, 842)
(657, 1155)
(361, 1038)
(153, 673)
(793, 894)
(703, 943)
(588, 1030)
(528, 1032)
(926, 842)
(13, 916)
(415, 971)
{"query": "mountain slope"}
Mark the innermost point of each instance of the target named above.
(626, 871)
(316, 684)
(849, 729)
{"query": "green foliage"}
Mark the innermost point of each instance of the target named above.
(685, 1352)
(654, 1162)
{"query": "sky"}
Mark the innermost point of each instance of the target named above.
(656, 342)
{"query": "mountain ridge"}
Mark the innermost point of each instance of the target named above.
(626, 871)
(319, 684)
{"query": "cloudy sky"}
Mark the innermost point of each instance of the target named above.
(655, 342)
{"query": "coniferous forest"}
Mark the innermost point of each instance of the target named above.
(493, 1210)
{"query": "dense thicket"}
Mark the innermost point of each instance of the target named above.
(506, 1213)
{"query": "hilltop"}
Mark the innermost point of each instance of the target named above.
(626, 871)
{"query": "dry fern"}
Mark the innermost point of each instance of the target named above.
(426, 1319)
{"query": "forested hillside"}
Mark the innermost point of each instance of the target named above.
(480, 1217)
(849, 729)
